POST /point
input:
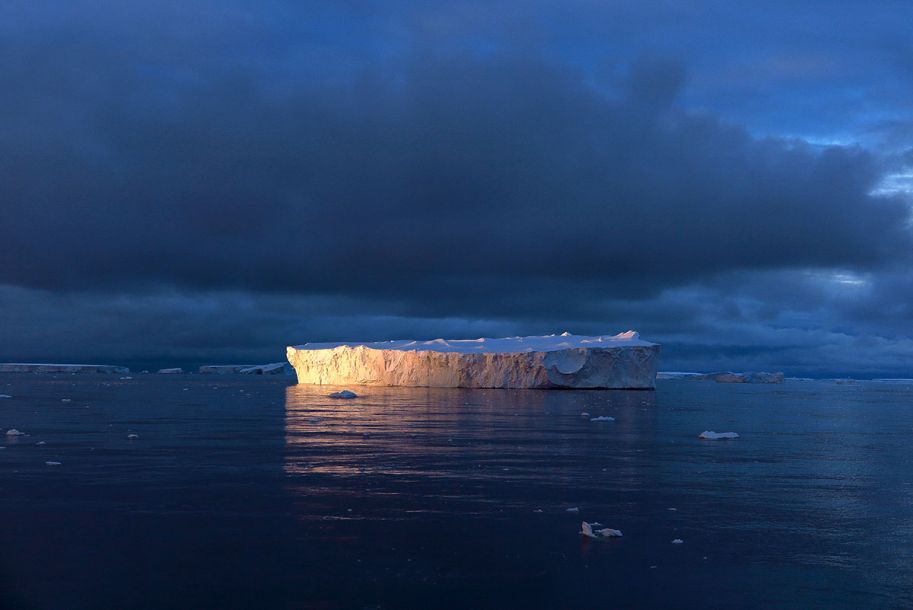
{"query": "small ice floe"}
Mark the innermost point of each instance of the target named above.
(14, 432)
(572, 509)
(602, 418)
(39, 443)
(65, 400)
(584, 414)
(133, 436)
(710, 435)
(52, 463)
(171, 371)
(344, 394)
(5, 396)
(586, 529)
(126, 378)
(678, 541)
(671, 509)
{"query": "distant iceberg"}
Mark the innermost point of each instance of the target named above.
(724, 376)
(273, 368)
(37, 367)
(622, 361)
(710, 435)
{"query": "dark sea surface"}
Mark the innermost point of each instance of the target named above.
(249, 492)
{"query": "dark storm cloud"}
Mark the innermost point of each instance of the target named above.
(447, 168)
(439, 173)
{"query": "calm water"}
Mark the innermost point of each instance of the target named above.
(251, 493)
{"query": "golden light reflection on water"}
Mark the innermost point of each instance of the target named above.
(449, 432)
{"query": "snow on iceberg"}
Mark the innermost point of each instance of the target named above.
(623, 361)
(710, 435)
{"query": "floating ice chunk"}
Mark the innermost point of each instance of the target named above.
(710, 435)
(14, 432)
(126, 378)
(586, 529)
(602, 418)
(584, 414)
(671, 509)
(53, 463)
(66, 400)
(5, 396)
(678, 541)
(344, 394)
(39, 443)
(171, 371)
(133, 436)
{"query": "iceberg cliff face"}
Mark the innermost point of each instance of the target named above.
(556, 361)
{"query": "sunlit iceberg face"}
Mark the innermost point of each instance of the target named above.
(621, 361)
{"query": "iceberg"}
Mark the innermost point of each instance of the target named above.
(752, 377)
(586, 529)
(710, 435)
(622, 361)
(724, 376)
(273, 368)
(34, 367)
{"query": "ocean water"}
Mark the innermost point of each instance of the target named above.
(248, 492)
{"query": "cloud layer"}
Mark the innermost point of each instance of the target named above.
(423, 173)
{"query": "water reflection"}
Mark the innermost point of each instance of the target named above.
(449, 449)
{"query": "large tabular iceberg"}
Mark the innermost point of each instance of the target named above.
(622, 361)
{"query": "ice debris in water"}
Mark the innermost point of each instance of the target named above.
(53, 463)
(132, 436)
(5, 396)
(344, 394)
(678, 541)
(14, 432)
(586, 529)
(584, 414)
(710, 435)
(41, 443)
(572, 509)
(602, 418)
(65, 400)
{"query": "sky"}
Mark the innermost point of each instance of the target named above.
(210, 181)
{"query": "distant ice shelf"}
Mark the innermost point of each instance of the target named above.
(38, 367)
(622, 361)
(724, 376)
(273, 368)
